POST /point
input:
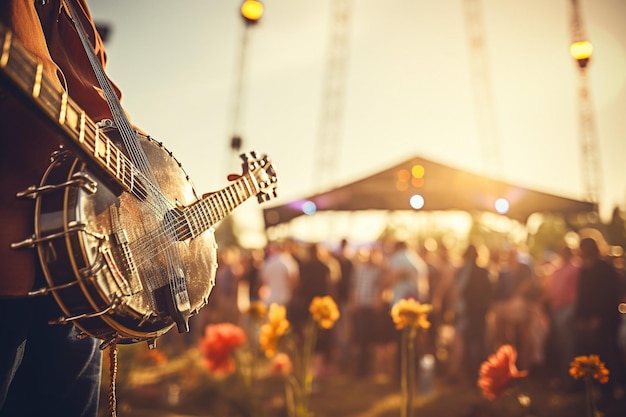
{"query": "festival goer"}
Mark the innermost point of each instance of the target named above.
(434, 280)
(472, 301)
(315, 281)
(279, 275)
(224, 304)
(407, 274)
(596, 314)
(365, 303)
(343, 328)
(512, 308)
(45, 370)
(562, 295)
(252, 263)
(443, 296)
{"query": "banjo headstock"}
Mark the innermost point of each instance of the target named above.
(263, 175)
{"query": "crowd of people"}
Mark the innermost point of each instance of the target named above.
(550, 309)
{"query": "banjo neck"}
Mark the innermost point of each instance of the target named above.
(82, 134)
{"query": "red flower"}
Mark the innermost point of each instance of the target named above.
(281, 364)
(217, 344)
(497, 372)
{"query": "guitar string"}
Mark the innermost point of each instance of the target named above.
(174, 270)
(153, 282)
(212, 207)
(247, 189)
(193, 222)
(186, 229)
(216, 210)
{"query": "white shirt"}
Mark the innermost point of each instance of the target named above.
(277, 274)
(414, 275)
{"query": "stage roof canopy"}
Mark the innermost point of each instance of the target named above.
(421, 184)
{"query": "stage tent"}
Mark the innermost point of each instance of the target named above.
(425, 185)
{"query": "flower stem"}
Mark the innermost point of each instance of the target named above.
(403, 374)
(412, 367)
(291, 396)
(407, 347)
(310, 338)
(591, 404)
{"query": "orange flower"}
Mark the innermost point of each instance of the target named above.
(589, 367)
(410, 313)
(217, 345)
(324, 311)
(497, 372)
(273, 330)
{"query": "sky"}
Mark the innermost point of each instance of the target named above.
(409, 89)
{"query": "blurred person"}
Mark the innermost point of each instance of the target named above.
(434, 280)
(252, 263)
(443, 301)
(619, 264)
(407, 275)
(472, 301)
(442, 288)
(224, 306)
(385, 333)
(512, 305)
(279, 275)
(343, 328)
(596, 314)
(561, 299)
(365, 305)
(315, 281)
(539, 311)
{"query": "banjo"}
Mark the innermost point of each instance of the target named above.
(127, 250)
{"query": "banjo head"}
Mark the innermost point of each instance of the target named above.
(129, 259)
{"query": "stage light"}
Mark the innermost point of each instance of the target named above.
(417, 201)
(309, 208)
(251, 11)
(581, 51)
(417, 171)
(502, 205)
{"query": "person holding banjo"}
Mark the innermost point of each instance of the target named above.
(103, 239)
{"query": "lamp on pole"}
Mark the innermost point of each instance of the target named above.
(581, 50)
(251, 12)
